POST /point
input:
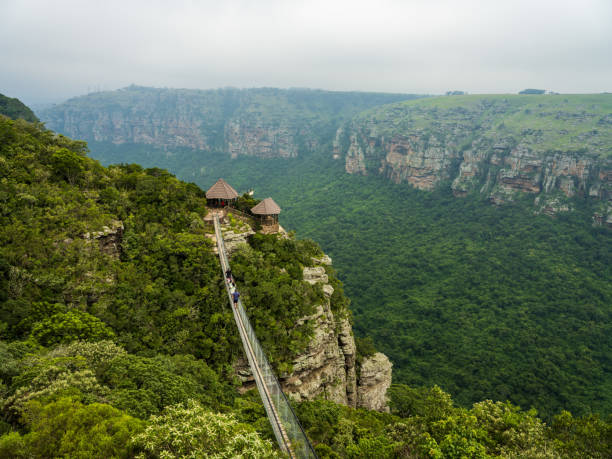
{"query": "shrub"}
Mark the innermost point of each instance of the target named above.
(192, 431)
(70, 326)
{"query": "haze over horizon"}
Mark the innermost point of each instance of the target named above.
(52, 51)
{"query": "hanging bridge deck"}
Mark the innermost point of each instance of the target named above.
(289, 434)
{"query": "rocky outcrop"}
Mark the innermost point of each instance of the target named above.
(374, 380)
(257, 138)
(497, 169)
(323, 260)
(422, 166)
(315, 275)
(355, 158)
(327, 367)
(234, 237)
(109, 238)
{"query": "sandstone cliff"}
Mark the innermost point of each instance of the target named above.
(552, 148)
(556, 148)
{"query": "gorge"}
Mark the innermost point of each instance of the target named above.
(111, 309)
(476, 246)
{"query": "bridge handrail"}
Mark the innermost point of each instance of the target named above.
(287, 429)
(240, 213)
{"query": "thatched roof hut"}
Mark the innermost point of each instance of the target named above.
(266, 207)
(221, 190)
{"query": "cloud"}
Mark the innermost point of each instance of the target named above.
(53, 50)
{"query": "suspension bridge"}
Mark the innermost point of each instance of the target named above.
(289, 434)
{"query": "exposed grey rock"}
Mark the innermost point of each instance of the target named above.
(326, 368)
(328, 290)
(256, 137)
(315, 274)
(324, 260)
(355, 158)
(320, 370)
(233, 239)
(109, 238)
(473, 151)
(374, 380)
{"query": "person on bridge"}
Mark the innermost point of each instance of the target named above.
(228, 275)
(235, 297)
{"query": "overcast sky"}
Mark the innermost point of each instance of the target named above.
(52, 50)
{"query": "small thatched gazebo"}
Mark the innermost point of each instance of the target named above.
(221, 194)
(267, 211)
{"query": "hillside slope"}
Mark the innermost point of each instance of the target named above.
(14, 108)
(553, 147)
(128, 246)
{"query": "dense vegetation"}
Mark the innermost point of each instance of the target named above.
(14, 108)
(125, 350)
(425, 423)
(486, 302)
(112, 307)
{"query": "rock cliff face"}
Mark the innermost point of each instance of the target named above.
(265, 122)
(327, 368)
(478, 146)
(265, 140)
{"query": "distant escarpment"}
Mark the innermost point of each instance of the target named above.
(266, 122)
(554, 147)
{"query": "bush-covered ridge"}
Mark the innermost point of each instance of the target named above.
(89, 254)
(15, 109)
(60, 208)
(123, 253)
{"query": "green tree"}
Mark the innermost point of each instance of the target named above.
(589, 436)
(192, 431)
(67, 165)
(74, 325)
(67, 428)
(430, 403)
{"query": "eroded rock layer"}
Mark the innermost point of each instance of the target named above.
(550, 147)
(261, 122)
